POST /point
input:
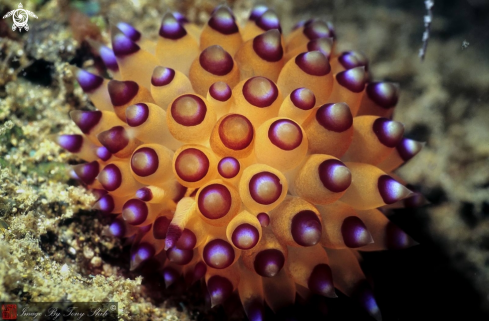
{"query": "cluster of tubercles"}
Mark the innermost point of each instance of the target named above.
(254, 160)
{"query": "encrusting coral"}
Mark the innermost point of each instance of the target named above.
(253, 160)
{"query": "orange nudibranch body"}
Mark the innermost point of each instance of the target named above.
(243, 156)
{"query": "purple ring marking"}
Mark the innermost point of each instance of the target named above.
(303, 98)
(228, 167)
(129, 31)
(334, 175)
(72, 143)
(313, 63)
(245, 236)
(285, 134)
(269, 262)
(218, 254)
(260, 91)
(265, 188)
(135, 211)
(214, 201)
(162, 76)
(188, 110)
(216, 60)
(335, 117)
(122, 92)
(268, 46)
(171, 28)
(144, 162)
(110, 177)
(220, 91)
(355, 233)
(194, 159)
(306, 228)
(88, 81)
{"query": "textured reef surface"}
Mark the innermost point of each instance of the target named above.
(47, 227)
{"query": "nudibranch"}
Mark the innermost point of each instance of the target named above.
(258, 162)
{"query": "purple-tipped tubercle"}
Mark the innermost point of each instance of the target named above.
(218, 254)
(317, 29)
(223, 21)
(135, 211)
(306, 228)
(236, 132)
(220, 289)
(365, 296)
(220, 91)
(180, 17)
(162, 76)
(268, 20)
(117, 228)
(323, 45)
(335, 117)
(110, 177)
(137, 114)
(199, 161)
(98, 193)
(245, 236)
(129, 31)
(187, 240)
(144, 194)
(285, 134)
(181, 106)
(408, 148)
(228, 167)
(397, 239)
(334, 175)
(103, 153)
(199, 271)
(321, 281)
(269, 262)
(114, 139)
(265, 188)
(264, 219)
(268, 46)
(257, 11)
(313, 63)
(144, 162)
(88, 81)
(214, 201)
(122, 45)
(173, 234)
(353, 59)
(170, 275)
(254, 309)
(72, 143)
(355, 233)
(216, 60)
(260, 91)
(388, 132)
(384, 94)
(105, 204)
(142, 253)
(122, 92)
(179, 256)
(160, 227)
(303, 98)
(353, 79)
(87, 172)
(171, 28)
(108, 57)
(391, 190)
